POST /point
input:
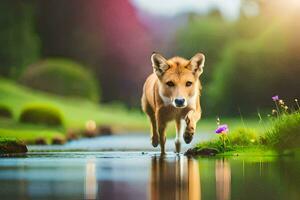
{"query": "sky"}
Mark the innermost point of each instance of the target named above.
(171, 8)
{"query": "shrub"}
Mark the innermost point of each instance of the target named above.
(5, 112)
(285, 132)
(62, 77)
(41, 114)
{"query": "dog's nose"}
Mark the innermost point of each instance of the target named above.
(188, 138)
(179, 102)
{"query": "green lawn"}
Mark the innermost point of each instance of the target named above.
(77, 111)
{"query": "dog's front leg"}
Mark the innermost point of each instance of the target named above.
(161, 128)
(191, 120)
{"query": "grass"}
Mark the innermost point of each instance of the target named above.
(285, 132)
(77, 111)
(28, 132)
(281, 135)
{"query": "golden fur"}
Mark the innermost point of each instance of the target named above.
(172, 81)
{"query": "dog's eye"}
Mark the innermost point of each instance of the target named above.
(170, 84)
(188, 84)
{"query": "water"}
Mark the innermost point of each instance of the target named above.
(127, 167)
(136, 175)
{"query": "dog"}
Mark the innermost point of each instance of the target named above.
(172, 92)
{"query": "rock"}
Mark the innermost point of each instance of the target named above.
(201, 152)
(105, 130)
(72, 134)
(12, 146)
(40, 141)
(89, 133)
(58, 140)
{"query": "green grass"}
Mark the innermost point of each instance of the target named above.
(27, 132)
(4, 141)
(77, 111)
(285, 132)
(281, 135)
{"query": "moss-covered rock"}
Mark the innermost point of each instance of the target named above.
(10, 146)
(201, 152)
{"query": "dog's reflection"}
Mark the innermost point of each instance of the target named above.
(223, 179)
(174, 181)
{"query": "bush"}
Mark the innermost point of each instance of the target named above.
(41, 114)
(5, 112)
(285, 132)
(62, 77)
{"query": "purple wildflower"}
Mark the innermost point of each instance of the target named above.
(275, 98)
(222, 129)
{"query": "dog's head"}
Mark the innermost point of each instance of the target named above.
(178, 78)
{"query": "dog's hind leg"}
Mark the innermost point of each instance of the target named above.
(154, 134)
(149, 111)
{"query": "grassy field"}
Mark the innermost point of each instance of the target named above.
(77, 111)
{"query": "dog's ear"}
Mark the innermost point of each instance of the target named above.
(197, 64)
(159, 64)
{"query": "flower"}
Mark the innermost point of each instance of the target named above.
(274, 111)
(275, 98)
(281, 102)
(286, 107)
(296, 100)
(222, 129)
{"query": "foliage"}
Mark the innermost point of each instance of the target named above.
(252, 71)
(41, 114)
(209, 35)
(5, 111)
(284, 133)
(20, 44)
(62, 77)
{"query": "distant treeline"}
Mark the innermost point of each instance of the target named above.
(247, 61)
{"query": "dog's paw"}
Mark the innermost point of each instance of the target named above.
(188, 134)
(154, 141)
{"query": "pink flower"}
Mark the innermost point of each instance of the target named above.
(275, 98)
